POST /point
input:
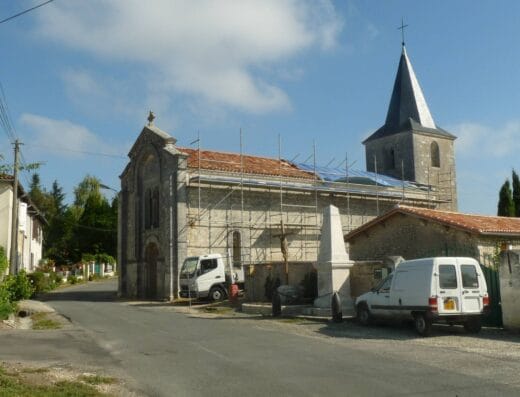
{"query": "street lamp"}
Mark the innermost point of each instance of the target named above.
(103, 186)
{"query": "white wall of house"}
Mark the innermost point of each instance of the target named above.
(30, 236)
(6, 199)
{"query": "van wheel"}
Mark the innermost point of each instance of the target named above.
(216, 294)
(423, 325)
(473, 326)
(363, 314)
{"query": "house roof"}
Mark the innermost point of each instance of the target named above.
(477, 224)
(23, 196)
(234, 162)
(408, 108)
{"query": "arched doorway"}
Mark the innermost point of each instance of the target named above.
(150, 258)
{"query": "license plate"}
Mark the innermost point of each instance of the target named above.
(449, 304)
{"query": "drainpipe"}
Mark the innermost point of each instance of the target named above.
(171, 237)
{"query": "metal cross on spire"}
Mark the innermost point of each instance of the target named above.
(401, 28)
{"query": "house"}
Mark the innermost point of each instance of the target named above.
(30, 224)
(422, 232)
(177, 202)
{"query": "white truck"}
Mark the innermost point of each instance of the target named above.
(207, 276)
(443, 289)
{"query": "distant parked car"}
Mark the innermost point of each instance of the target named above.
(429, 290)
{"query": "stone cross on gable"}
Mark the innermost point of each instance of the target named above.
(151, 118)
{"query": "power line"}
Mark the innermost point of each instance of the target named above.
(64, 149)
(5, 118)
(26, 11)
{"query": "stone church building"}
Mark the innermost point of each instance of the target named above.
(177, 202)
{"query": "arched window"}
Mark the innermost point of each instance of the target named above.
(155, 208)
(435, 155)
(147, 209)
(237, 248)
(390, 159)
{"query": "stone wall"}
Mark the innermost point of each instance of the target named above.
(365, 275)
(210, 229)
(411, 238)
(510, 288)
(256, 276)
(443, 177)
(408, 154)
(403, 154)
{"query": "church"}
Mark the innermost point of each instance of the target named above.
(177, 202)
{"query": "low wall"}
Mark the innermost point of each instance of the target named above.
(510, 288)
(255, 277)
(366, 274)
(363, 276)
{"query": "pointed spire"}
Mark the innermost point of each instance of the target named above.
(407, 98)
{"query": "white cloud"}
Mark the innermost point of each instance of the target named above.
(205, 48)
(477, 140)
(61, 137)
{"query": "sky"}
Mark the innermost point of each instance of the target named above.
(79, 78)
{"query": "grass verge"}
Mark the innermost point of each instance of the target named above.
(15, 384)
(40, 321)
(97, 379)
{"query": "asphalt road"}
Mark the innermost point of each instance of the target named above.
(166, 353)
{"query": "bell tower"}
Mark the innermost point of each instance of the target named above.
(410, 145)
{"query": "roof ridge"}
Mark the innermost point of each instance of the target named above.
(457, 212)
(233, 153)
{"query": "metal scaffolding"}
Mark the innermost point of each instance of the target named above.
(296, 208)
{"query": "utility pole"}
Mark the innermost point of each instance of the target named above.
(13, 266)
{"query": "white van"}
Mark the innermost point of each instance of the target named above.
(428, 290)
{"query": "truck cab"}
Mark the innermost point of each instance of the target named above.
(206, 276)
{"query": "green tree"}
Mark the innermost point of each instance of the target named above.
(516, 193)
(89, 186)
(505, 200)
(59, 231)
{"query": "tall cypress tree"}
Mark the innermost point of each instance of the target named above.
(505, 200)
(516, 193)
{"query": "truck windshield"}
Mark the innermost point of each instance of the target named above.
(189, 267)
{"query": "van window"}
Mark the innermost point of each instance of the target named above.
(447, 277)
(207, 265)
(469, 276)
(385, 285)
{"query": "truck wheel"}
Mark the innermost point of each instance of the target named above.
(423, 325)
(363, 314)
(216, 294)
(473, 325)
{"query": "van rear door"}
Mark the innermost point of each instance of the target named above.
(471, 296)
(449, 287)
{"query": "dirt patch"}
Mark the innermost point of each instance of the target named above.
(57, 380)
(37, 321)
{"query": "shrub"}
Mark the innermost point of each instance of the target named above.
(310, 285)
(44, 282)
(73, 280)
(17, 287)
(6, 306)
(22, 288)
(3, 261)
(39, 282)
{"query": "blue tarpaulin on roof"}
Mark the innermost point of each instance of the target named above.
(333, 174)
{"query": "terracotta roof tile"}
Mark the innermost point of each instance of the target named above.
(230, 162)
(479, 224)
(476, 223)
